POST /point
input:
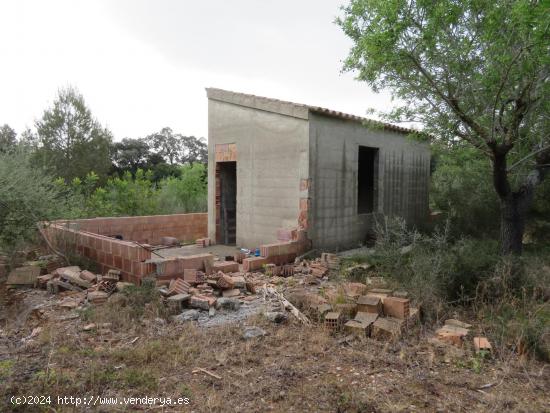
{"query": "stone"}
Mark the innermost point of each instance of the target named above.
(27, 275)
(253, 332)
(187, 315)
(276, 316)
(228, 303)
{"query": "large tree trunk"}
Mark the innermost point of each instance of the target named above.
(514, 205)
(512, 224)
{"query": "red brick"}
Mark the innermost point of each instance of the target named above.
(396, 307)
(226, 266)
(254, 263)
(117, 261)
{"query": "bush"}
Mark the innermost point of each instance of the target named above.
(186, 193)
(27, 195)
(434, 269)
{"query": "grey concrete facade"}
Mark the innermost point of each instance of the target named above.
(279, 145)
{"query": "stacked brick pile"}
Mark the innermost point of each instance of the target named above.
(82, 284)
(377, 313)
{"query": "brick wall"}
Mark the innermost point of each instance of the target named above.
(92, 238)
(148, 229)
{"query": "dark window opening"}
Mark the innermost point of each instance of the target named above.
(367, 180)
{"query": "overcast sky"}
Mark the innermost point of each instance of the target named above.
(143, 64)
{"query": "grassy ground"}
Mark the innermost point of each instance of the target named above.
(292, 368)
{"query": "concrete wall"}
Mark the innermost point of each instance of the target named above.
(272, 157)
(403, 180)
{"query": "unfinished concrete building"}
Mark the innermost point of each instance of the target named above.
(283, 178)
(277, 168)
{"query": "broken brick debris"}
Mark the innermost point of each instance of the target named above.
(225, 282)
(482, 344)
(26, 275)
(178, 286)
(226, 266)
(203, 242)
(231, 293)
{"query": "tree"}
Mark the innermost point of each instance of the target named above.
(176, 148)
(130, 154)
(71, 142)
(7, 139)
(475, 71)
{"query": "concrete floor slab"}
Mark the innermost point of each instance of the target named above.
(217, 250)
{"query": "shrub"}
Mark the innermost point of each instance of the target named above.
(27, 195)
(186, 193)
(434, 269)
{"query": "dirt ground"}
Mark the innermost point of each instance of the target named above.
(291, 368)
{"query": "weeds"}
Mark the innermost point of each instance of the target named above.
(508, 296)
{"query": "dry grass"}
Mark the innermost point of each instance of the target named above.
(293, 368)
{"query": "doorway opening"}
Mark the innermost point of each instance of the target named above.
(228, 202)
(367, 178)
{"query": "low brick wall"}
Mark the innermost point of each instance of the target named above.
(148, 229)
(93, 239)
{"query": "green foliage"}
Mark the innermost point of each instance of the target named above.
(71, 143)
(462, 187)
(435, 269)
(187, 193)
(125, 196)
(137, 195)
(7, 139)
(27, 195)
